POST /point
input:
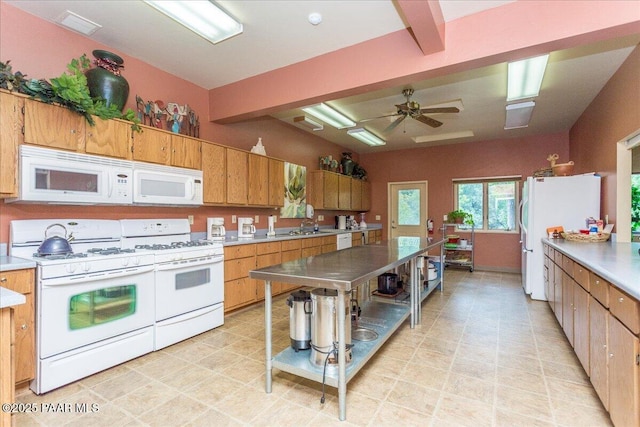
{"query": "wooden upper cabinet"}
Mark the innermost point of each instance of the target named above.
(366, 195)
(186, 152)
(237, 176)
(322, 189)
(258, 180)
(10, 139)
(214, 173)
(52, 126)
(152, 145)
(110, 138)
(356, 194)
(344, 192)
(276, 182)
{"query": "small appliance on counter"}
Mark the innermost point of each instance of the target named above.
(246, 229)
(271, 231)
(215, 229)
(341, 222)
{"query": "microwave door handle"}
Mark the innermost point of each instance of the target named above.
(109, 184)
(192, 189)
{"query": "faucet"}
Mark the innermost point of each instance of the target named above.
(306, 221)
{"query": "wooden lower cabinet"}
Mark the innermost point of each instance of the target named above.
(601, 323)
(268, 254)
(598, 351)
(624, 382)
(312, 246)
(239, 289)
(7, 357)
(291, 250)
(22, 281)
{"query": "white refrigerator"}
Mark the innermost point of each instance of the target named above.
(565, 201)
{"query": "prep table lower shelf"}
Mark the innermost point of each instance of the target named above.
(379, 317)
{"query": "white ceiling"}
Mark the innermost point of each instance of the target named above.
(277, 33)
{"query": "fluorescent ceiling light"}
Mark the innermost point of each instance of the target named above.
(443, 136)
(308, 123)
(525, 77)
(203, 17)
(518, 115)
(366, 137)
(77, 23)
(329, 115)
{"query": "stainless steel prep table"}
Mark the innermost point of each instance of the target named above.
(345, 270)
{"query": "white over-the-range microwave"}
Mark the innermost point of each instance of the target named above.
(62, 177)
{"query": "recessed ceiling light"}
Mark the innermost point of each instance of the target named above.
(77, 23)
(519, 115)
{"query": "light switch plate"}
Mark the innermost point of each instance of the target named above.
(190, 218)
(377, 217)
(257, 220)
(320, 217)
(233, 219)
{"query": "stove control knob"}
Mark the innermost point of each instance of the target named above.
(85, 266)
(125, 262)
(136, 260)
(70, 268)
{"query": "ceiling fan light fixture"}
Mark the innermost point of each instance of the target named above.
(524, 77)
(308, 123)
(330, 116)
(519, 115)
(367, 137)
(203, 17)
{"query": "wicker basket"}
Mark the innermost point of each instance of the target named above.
(586, 238)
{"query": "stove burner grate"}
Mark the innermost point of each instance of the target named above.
(173, 245)
(109, 251)
(59, 256)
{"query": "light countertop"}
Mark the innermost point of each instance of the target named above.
(10, 298)
(283, 234)
(619, 263)
(9, 263)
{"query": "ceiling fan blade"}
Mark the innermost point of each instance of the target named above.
(379, 117)
(393, 125)
(428, 121)
(403, 107)
(439, 110)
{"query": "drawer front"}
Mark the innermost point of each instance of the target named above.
(314, 241)
(267, 248)
(557, 257)
(18, 280)
(237, 268)
(581, 276)
(599, 289)
(267, 260)
(307, 252)
(290, 245)
(290, 255)
(567, 265)
(626, 309)
(239, 251)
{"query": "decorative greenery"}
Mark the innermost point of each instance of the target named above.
(456, 215)
(635, 203)
(69, 90)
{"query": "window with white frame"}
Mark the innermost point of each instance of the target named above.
(492, 202)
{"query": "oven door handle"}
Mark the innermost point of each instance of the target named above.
(174, 265)
(86, 278)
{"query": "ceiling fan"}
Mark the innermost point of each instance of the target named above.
(412, 109)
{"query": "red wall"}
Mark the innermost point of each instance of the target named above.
(439, 165)
(612, 116)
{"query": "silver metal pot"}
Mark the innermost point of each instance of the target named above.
(324, 327)
(299, 303)
(55, 245)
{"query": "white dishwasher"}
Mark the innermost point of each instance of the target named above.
(343, 241)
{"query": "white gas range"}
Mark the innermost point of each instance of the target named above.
(189, 277)
(108, 302)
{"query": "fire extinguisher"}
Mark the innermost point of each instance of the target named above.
(430, 225)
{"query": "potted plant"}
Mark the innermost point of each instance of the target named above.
(459, 216)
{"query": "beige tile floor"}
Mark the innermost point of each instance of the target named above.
(484, 354)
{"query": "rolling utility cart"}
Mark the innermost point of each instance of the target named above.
(458, 249)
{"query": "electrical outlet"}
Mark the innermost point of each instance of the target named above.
(257, 219)
(233, 219)
(320, 217)
(377, 217)
(190, 217)
(275, 219)
(444, 218)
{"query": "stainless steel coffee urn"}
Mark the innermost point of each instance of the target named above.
(299, 303)
(324, 327)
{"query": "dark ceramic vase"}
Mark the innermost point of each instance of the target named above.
(104, 81)
(347, 164)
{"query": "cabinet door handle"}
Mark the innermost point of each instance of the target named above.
(610, 355)
(620, 299)
(24, 326)
(3, 279)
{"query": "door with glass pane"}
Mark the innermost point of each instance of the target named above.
(408, 209)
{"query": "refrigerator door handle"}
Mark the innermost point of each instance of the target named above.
(521, 206)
